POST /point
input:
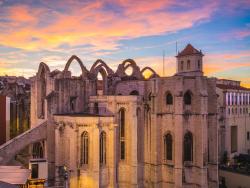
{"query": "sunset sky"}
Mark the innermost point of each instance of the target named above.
(50, 31)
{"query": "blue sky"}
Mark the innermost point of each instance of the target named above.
(33, 31)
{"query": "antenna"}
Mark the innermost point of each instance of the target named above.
(176, 48)
(163, 63)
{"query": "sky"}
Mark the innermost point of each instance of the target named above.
(51, 31)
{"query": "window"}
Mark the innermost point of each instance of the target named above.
(182, 65)
(102, 148)
(228, 98)
(199, 64)
(228, 111)
(37, 150)
(240, 99)
(122, 133)
(84, 148)
(187, 98)
(134, 92)
(188, 64)
(188, 147)
(168, 147)
(72, 103)
(34, 171)
(169, 99)
(233, 139)
(96, 108)
(248, 135)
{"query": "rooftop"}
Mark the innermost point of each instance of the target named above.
(189, 50)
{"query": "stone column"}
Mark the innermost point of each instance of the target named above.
(178, 142)
(51, 151)
(94, 155)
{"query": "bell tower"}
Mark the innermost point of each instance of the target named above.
(189, 62)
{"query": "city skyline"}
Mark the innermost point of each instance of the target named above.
(50, 32)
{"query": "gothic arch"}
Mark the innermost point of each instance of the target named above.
(42, 74)
(74, 57)
(154, 74)
(43, 67)
(125, 65)
(100, 64)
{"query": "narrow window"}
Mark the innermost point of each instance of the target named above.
(122, 133)
(199, 64)
(134, 92)
(168, 147)
(188, 64)
(169, 99)
(187, 98)
(188, 147)
(248, 135)
(182, 65)
(84, 148)
(102, 148)
(228, 111)
(234, 139)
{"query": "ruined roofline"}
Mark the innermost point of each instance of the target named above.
(99, 66)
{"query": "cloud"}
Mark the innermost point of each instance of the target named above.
(36, 28)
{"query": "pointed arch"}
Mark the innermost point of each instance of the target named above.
(128, 62)
(188, 147)
(42, 75)
(101, 64)
(102, 148)
(154, 74)
(168, 146)
(187, 98)
(84, 148)
(74, 57)
(43, 67)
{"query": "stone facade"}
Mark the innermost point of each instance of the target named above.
(128, 130)
(233, 119)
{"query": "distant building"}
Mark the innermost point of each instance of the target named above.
(17, 89)
(4, 119)
(233, 118)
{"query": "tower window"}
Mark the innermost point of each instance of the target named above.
(182, 65)
(199, 64)
(188, 147)
(168, 146)
(169, 99)
(187, 98)
(188, 64)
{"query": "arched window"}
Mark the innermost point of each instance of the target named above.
(102, 148)
(122, 133)
(169, 98)
(168, 147)
(37, 150)
(199, 64)
(188, 64)
(187, 98)
(188, 147)
(84, 148)
(134, 92)
(182, 65)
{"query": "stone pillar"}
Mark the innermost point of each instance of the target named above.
(178, 140)
(51, 152)
(112, 155)
(133, 135)
(94, 155)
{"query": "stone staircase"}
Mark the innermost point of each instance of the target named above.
(15, 145)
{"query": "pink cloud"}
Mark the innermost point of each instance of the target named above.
(93, 24)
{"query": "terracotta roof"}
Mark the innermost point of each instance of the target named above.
(234, 87)
(189, 50)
